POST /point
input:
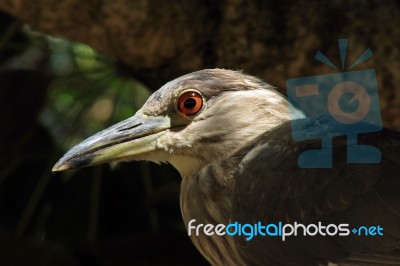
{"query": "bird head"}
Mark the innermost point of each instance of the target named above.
(189, 122)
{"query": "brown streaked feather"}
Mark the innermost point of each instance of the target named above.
(358, 194)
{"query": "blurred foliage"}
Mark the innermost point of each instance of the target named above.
(53, 94)
(87, 94)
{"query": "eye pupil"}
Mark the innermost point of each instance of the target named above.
(189, 103)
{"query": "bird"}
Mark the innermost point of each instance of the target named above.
(229, 136)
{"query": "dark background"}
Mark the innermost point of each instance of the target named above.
(53, 94)
(56, 91)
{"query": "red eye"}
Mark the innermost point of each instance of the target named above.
(190, 103)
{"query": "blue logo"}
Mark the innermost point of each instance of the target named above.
(340, 104)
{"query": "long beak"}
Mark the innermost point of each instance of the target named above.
(132, 137)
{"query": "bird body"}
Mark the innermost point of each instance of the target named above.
(229, 136)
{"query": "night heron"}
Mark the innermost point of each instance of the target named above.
(229, 136)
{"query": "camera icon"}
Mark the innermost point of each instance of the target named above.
(341, 104)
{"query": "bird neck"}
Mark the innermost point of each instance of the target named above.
(206, 197)
(208, 174)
